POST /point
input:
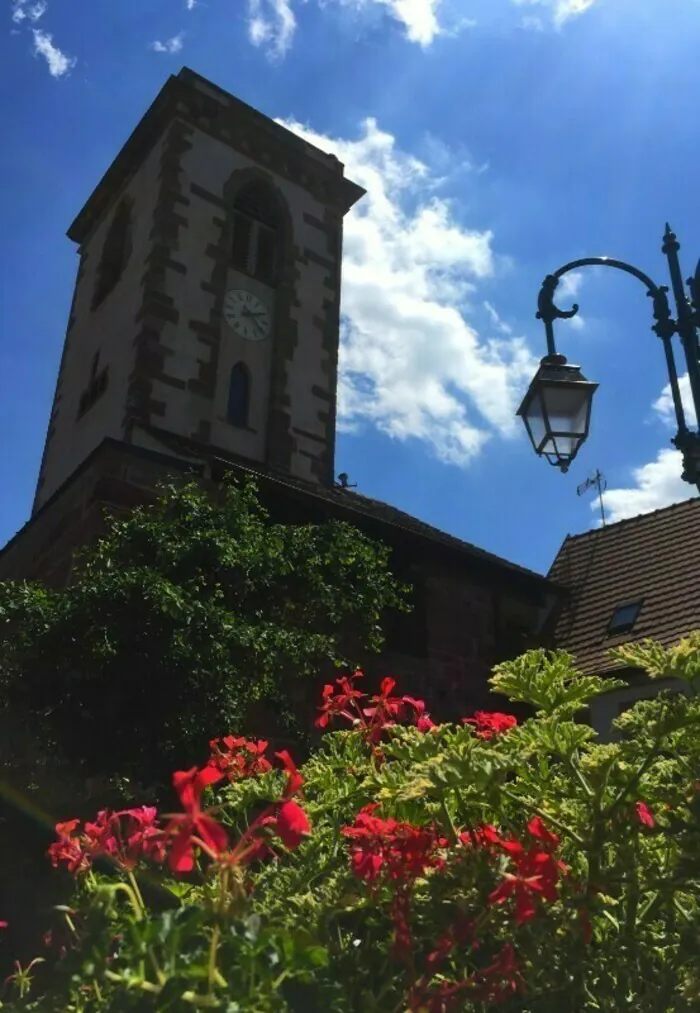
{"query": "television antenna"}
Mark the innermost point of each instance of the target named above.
(599, 482)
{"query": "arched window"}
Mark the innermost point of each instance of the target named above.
(238, 395)
(115, 253)
(257, 230)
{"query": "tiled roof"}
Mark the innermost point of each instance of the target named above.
(652, 558)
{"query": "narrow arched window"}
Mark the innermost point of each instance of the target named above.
(238, 395)
(257, 231)
(115, 253)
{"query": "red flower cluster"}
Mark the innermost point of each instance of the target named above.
(125, 837)
(131, 834)
(489, 724)
(194, 827)
(343, 700)
(399, 851)
(238, 757)
(493, 984)
(536, 872)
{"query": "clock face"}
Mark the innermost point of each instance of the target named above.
(246, 315)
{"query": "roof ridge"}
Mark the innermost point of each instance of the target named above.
(641, 517)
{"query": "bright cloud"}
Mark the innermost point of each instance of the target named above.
(663, 406)
(411, 364)
(562, 10)
(190, 4)
(271, 25)
(59, 64)
(656, 484)
(173, 45)
(22, 10)
(418, 17)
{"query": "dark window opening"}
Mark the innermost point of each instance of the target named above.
(115, 254)
(624, 617)
(256, 233)
(238, 406)
(97, 385)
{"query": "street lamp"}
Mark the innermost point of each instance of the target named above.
(557, 406)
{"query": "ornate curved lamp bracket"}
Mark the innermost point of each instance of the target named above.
(548, 312)
(546, 309)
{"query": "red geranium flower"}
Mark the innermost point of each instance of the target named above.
(422, 719)
(536, 876)
(401, 850)
(292, 825)
(644, 814)
(285, 818)
(69, 848)
(124, 836)
(486, 837)
(501, 980)
(193, 827)
(341, 699)
(238, 757)
(547, 839)
(489, 724)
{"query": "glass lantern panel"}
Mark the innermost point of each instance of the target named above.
(567, 408)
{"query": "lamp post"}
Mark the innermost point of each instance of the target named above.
(556, 409)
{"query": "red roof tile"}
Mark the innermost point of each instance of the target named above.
(652, 558)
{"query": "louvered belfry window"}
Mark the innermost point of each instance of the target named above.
(256, 233)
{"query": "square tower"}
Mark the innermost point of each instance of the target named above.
(206, 307)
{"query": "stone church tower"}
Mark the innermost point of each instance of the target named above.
(206, 307)
(203, 342)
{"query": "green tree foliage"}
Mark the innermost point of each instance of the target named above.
(404, 868)
(190, 615)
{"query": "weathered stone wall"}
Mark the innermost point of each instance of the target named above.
(111, 328)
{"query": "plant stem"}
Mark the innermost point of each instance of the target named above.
(545, 816)
(213, 950)
(451, 829)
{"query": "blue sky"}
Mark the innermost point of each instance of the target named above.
(497, 139)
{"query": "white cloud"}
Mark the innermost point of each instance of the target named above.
(532, 23)
(173, 45)
(419, 17)
(411, 364)
(190, 4)
(59, 63)
(656, 484)
(22, 10)
(663, 405)
(271, 24)
(569, 285)
(562, 10)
